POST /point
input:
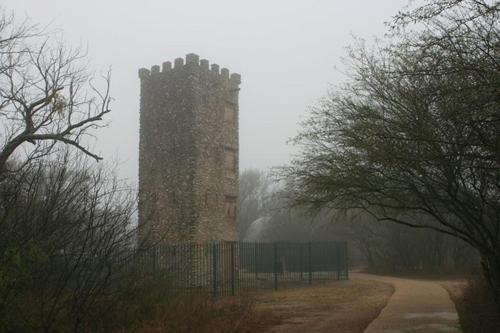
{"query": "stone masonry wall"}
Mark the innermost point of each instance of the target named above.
(188, 152)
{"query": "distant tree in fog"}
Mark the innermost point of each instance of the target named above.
(254, 191)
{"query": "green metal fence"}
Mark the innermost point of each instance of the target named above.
(226, 268)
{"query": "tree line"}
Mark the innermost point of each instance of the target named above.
(265, 216)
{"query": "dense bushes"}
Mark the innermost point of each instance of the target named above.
(65, 233)
(475, 305)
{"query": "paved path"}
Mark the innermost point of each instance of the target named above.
(415, 306)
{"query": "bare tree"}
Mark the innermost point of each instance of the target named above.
(254, 189)
(65, 225)
(47, 95)
(413, 136)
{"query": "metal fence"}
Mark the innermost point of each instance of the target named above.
(226, 268)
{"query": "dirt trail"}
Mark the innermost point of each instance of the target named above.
(415, 306)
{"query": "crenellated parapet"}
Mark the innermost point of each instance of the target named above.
(193, 63)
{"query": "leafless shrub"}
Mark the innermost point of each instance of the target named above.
(66, 234)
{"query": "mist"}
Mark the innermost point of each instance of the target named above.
(335, 169)
(288, 54)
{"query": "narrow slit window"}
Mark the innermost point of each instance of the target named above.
(230, 163)
(229, 116)
(230, 206)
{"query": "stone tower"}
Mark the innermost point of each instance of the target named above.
(188, 152)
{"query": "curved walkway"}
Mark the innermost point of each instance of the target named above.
(415, 306)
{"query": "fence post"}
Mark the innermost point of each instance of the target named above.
(275, 248)
(154, 259)
(256, 252)
(310, 261)
(338, 248)
(214, 268)
(346, 262)
(301, 262)
(232, 268)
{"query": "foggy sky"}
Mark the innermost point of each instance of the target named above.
(286, 52)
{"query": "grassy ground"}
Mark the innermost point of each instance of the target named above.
(338, 306)
(343, 306)
(204, 314)
(475, 306)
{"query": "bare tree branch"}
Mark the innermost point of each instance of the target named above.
(46, 93)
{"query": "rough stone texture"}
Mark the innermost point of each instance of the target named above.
(188, 152)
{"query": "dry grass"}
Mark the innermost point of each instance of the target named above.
(344, 306)
(200, 313)
(475, 305)
(339, 306)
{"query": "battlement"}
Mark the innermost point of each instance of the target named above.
(191, 62)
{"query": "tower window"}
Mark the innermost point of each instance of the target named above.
(230, 162)
(230, 206)
(229, 115)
